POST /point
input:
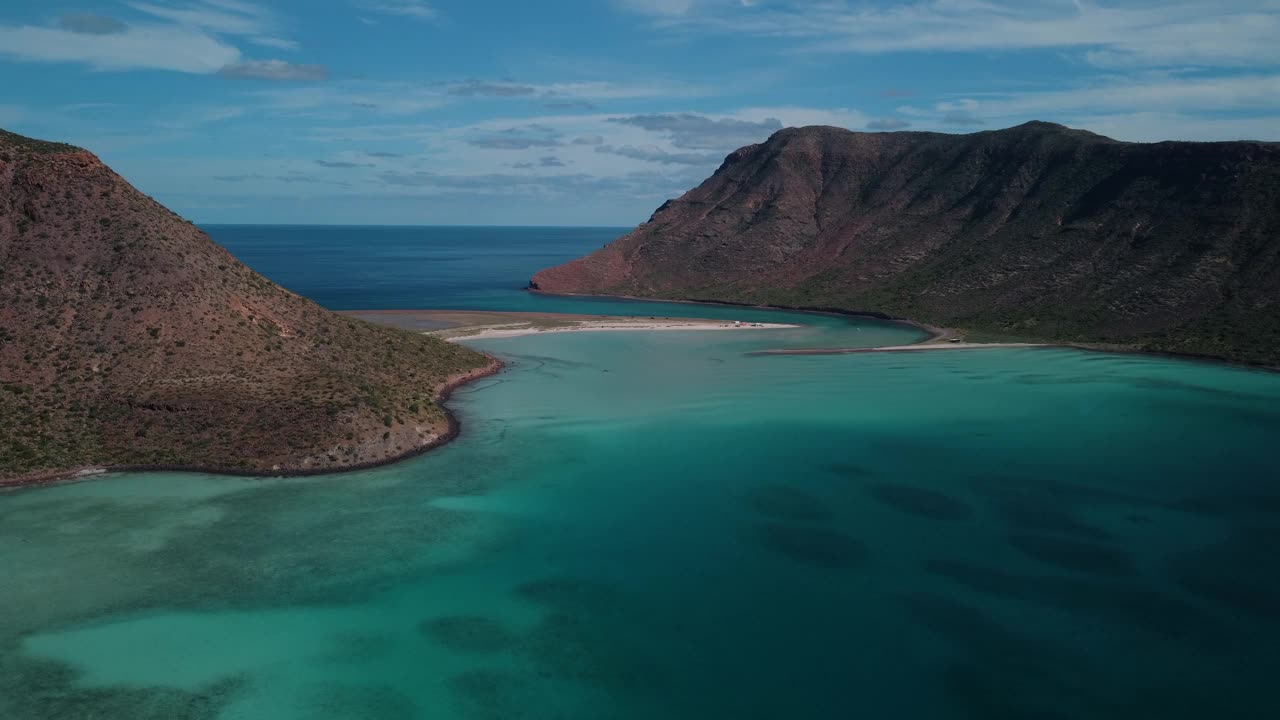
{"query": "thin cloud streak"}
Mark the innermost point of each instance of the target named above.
(273, 70)
(90, 24)
(413, 9)
(1229, 32)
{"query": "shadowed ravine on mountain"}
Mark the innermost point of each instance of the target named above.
(1037, 231)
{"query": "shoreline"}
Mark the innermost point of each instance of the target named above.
(498, 331)
(939, 335)
(935, 332)
(940, 338)
(453, 428)
(454, 324)
(918, 347)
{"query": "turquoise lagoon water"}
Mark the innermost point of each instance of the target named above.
(662, 525)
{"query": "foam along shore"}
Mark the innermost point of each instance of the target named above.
(616, 324)
(921, 347)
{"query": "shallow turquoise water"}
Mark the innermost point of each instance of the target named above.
(658, 525)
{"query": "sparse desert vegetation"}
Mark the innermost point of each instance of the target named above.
(129, 338)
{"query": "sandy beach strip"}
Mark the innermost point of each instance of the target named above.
(481, 324)
(516, 330)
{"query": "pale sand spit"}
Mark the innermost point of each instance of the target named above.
(515, 330)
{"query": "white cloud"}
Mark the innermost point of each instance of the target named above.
(657, 7)
(620, 91)
(84, 106)
(586, 160)
(676, 8)
(681, 146)
(229, 17)
(190, 118)
(1145, 107)
(179, 37)
(90, 24)
(273, 70)
(654, 154)
(1224, 32)
(692, 131)
(801, 116)
(232, 19)
(964, 105)
(481, 88)
(406, 98)
(356, 98)
(149, 46)
(415, 9)
(1143, 94)
(241, 6)
(1160, 126)
(274, 42)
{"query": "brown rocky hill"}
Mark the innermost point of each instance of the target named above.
(1034, 231)
(129, 338)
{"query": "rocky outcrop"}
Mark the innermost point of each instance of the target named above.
(1036, 231)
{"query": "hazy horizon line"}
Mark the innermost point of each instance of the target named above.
(403, 225)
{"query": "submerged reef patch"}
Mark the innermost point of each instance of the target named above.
(921, 502)
(828, 549)
(469, 633)
(1074, 555)
(783, 502)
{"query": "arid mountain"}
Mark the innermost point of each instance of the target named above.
(129, 338)
(1034, 231)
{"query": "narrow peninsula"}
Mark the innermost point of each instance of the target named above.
(459, 325)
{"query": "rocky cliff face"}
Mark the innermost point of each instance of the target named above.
(128, 337)
(1034, 231)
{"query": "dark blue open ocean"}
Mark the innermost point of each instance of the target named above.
(394, 268)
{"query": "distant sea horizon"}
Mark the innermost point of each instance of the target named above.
(441, 267)
(400, 267)
(411, 225)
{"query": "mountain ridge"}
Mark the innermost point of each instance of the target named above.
(128, 338)
(1033, 231)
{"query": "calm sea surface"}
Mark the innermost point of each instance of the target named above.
(660, 525)
(384, 268)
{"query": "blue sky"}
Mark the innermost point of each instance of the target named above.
(576, 112)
